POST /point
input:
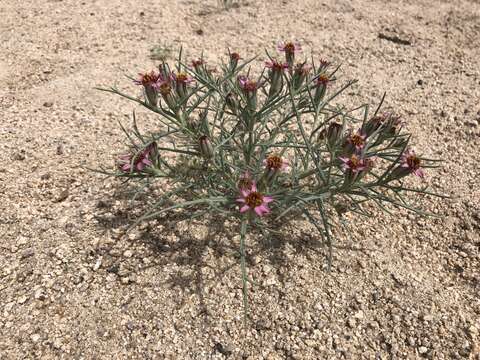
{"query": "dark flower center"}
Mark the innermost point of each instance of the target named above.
(276, 66)
(148, 79)
(250, 86)
(289, 47)
(182, 77)
(413, 162)
(234, 56)
(254, 199)
(197, 63)
(274, 162)
(165, 88)
(357, 140)
(354, 161)
(323, 79)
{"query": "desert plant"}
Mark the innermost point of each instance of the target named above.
(267, 146)
(227, 4)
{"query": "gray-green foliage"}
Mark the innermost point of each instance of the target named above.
(229, 125)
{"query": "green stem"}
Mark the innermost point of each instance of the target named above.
(243, 232)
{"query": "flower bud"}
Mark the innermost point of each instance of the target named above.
(182, 80)
(152, 95)
(150, 82)
(234, 57)
(165, 90)
(249, 88)
(275, 76)
(332, 134)
(193, 123)
(289, 48)
(164, 71)
(206, 148)
(300, 74)
(321, 83)
(274, 164)
(232, 103)
(373, 124)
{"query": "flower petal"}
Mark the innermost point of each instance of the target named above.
(245, 192)
(258, 210)
(244, 208)
(267, 199)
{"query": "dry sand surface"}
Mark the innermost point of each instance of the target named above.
(71, 287)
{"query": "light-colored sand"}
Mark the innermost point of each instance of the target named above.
(401, 286)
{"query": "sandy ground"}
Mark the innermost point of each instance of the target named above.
(71, 287)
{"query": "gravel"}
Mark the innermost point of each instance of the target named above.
(74, 286)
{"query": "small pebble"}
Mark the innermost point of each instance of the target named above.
(422, 350)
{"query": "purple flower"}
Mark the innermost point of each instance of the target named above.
(357, 140)
(353, 163)
(164, 87)
(251, 199)
(136, 162)
(150, 82)
(275, 65)
(322, 80)
(148, 79)
(289, 47)
(412, 162)
(182, 78)
(247, 85)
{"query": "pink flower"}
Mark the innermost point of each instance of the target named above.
(274, 65)
(136, 162)
(251, 199)
(322, 79)
(411, 161)
(197, 63)
(148, 79)
(164, 87)
(289, 47)
(357, 140)
(275, 163)
(354, 163)
(247, 85)
(182, 78)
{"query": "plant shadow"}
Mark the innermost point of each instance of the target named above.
(188, 250)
